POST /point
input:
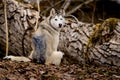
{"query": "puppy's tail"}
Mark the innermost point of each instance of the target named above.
(18, 58)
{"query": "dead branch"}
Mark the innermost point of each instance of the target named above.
(6, 26)
(79, 6)
(38, 2)
(66, 4)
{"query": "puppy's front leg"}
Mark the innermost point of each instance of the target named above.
(49, 50)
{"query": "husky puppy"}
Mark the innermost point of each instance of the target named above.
(45, 40)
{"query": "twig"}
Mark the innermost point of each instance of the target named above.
(38, 2)
(66, 4)
(6, 26)
(79, 6)
(36, 25)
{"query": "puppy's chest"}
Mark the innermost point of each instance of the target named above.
(55, 41)
(56, 38)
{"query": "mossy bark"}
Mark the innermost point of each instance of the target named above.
(98, 43)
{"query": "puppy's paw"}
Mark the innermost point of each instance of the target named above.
(17, 58)
(8, 57)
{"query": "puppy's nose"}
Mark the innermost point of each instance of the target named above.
(60, 25)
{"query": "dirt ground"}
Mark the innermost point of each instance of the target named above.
(10, 70)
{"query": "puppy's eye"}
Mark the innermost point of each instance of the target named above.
(55, 19)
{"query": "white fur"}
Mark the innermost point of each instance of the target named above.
(17, 58)
(55, 58)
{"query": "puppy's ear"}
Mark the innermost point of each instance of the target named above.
(62, 11)
(52, 12)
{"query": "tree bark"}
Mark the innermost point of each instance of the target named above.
(98, 43)
(19, 19)
(84, 42)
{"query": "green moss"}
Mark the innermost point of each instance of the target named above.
(103, 32)
(110, 23)
(95, 37)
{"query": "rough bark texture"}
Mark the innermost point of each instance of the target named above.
(19, 18)
(84, 42)
(74, 38)
(98, 43)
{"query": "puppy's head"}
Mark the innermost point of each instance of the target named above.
(57, 21)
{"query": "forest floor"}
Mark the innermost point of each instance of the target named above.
(10, 70)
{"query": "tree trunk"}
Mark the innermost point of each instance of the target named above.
(84, 42)
(19, 18)
(98, 43)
